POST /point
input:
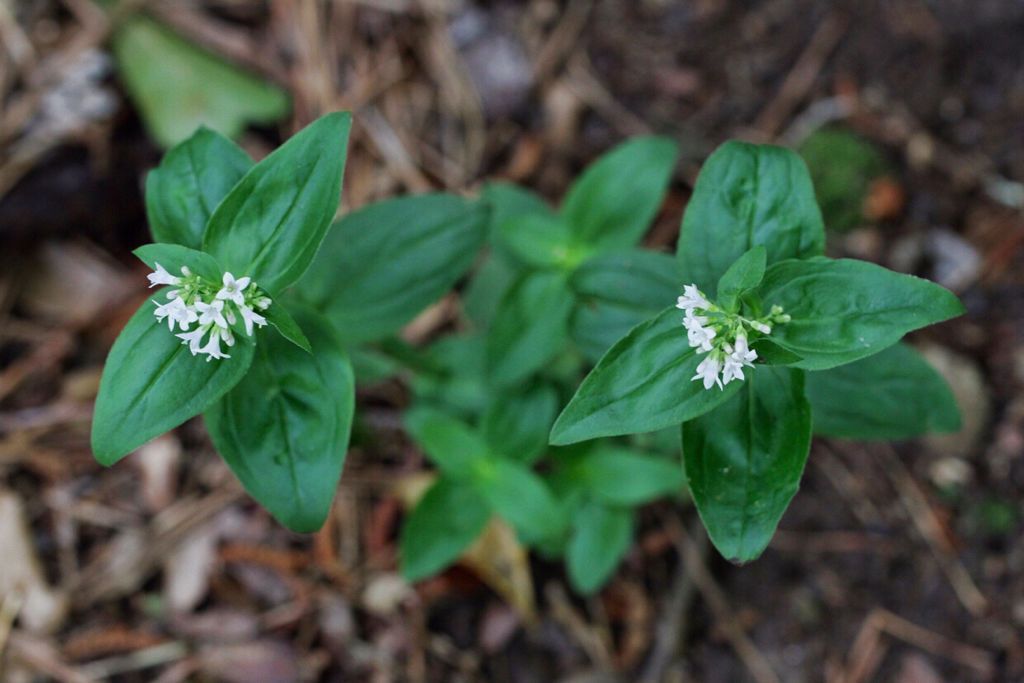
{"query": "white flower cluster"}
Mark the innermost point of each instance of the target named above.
(721, 335)
(213, 307)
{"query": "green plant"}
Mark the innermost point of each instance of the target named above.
(280, 314)
(751, 245)
(555, 290)
(266, 301)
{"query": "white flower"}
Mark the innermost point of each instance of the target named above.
(215, 308)
(761, 327)
(692, 298)
(211, 313)
(742, 354)
(249, 317)
(233, 290)
(731, 370)
(194, 339)
(691, 320)
(176, 312)
(700, 337)
(708, 371)
(162, 277)
(212, 348)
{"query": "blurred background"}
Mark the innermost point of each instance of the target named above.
(895, 562)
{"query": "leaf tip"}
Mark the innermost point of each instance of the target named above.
(303, 520)
(558, 436)
(103, 451)
(413, 572)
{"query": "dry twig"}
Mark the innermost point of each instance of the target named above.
(869, 649)
(752, 658)
(800, 79)
(931, 529)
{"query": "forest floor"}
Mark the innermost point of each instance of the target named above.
(900, 563)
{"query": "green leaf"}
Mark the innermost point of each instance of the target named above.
(457, 382)
(449, 443)
(172, 257)
(189, 183)
(742, 276)
(284, 429)
(843, 310)
(517, 422)
(271, 224)
(613, 203)
(616, 292)
(520, 497)
(748, 195)
(371, 366)
(600, 540)
(540, 241)
(773, 354)
(531, 327)
(507, 200)
(151, 384)
(178, 87)
(642, 384)
(744, 460)
(278, 316)
(619, 476)
(449, 517)
(894, 394)
(380, 266)
(498, 270)
(488, 286)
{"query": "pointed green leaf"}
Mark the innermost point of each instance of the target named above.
(151, 383)
(520, 497)
(499, 270)
(748, 195)
(488, 286)
(449, 443)
(507, 200)
(616, 292)
(449, 517)
(284, 429)
(189, 183)
(283, 322)
(600, 539)
(517, 422)
(744, 460)
(531, 327)
(619, 476)
(271, 224)
(843, 310)
(743, 275)
(895, 394)
(382, 265)
(540, 241)
(454, 376)
(612, 204)
(641, 385)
